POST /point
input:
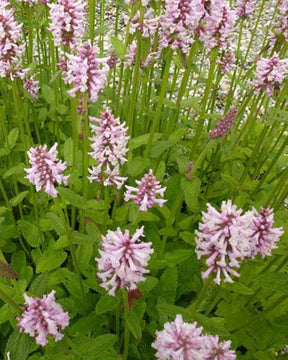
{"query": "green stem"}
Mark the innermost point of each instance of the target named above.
(157, 116)
(92, 4)
(126, 331)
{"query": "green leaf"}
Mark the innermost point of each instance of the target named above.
(177, 256)
(191, 190)
(30, 232)
(118, 46)
(147, 285)
(239, 288)
(12, 138)
(50, 260)
(18, 345)
(106, 303)
(18, 198)
(168, 284)
(136, 166)
(160, 147)
(142, 140)
(39, 285)
(172, 311)
(72, 197)
(15, 170)
(274, 282)
(133, 322)
(48, 94)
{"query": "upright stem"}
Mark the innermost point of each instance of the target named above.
(126, 331)
(92, 4)
(160, 103)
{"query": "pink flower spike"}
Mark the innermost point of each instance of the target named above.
(216, 350)
(46, 169)
(269, 73)
(264, 235)
(85, 72)
(224, 125)
(43, 317)
(67, 22)
(145, 195)
(11, 43)
(109, 145)
(32, 87)
(224, 238)
(245, 8)
(123, 260)
(179, 340)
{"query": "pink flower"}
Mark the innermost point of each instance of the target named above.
(85, 72)
(224, 125)
(123, 260)
(43, 317)
(180, 22)
(216, 350)
(67, 22)
(32, 87)
(263, 233)
(46, 169)
(281, 24)
(145, 195)
(179, 341)
(11, 43)
(245, 8)
(227, 62)
(217, 25)
(148, 26)
(225, 239)
(109, 149)
(269, 73)
(184, 341)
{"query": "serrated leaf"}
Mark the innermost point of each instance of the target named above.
(18, 345)
(30, 232)
(239, 288)
(106, 303)
(50, 261)
(136, 166)
(274, 282)
(6, 271)
(39, 285)
(133, 322)
(191, 190)
(72, 197)
(172, 311)
(48, 94)
(177, 256)
(160, 147)
(18, 198)
(168, 284)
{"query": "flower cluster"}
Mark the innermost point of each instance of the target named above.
(31, 86)
(43, 317)
(145, 194)
(217, 24)
(109, 149)
(123, 260)
(227, 237)
(227, 62)
(148, 26)
(181, 340)
(46, 169)
(245, 8)
(269, 73)
(224, 125)
(67, 22)
(11, 44)
(180, 22)
(281, 24)
(85, 72)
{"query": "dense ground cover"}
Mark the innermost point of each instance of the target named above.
(144, 180)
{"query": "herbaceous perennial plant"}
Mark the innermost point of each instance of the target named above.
(144, 179)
